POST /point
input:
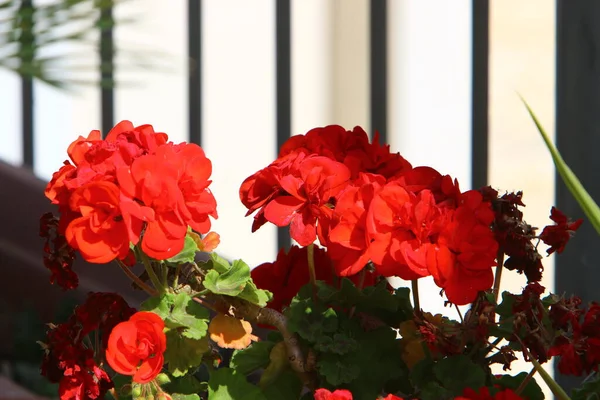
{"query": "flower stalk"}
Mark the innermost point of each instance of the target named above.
(554, 387)
(415, 293)
(498, 274)
(151, 273)
(146, 288)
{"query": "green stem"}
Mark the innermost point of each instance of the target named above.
(554, 387)
(498, 277)
(165, 276)
(176, 279)
(415, 293)
(146, 288)
(310, 251)
(151, 273)
(462, 320)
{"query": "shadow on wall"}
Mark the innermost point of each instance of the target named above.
(27, 299)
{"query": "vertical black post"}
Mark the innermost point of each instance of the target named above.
(480, 90)
(378, 14)
(27, 47)
(107, 66)
(578, 140)
(283, 87)
(195, 71)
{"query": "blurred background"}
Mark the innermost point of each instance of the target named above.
(439, 80)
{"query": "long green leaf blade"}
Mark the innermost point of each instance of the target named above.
(589, 206)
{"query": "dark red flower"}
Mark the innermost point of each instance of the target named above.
(556, 236)
(514, 235)
(289, 273)
(58, 255)
(70, 362)
(484, 394)
(84, 382)
(570, 351)
(565, 311)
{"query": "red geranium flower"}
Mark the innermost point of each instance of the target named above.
(309, 191)
(340, 394)
(352, 148)
(136, 347)
(401, 225)
(466, 250)
(348, 240)
(100, 234)
(556, 236)
(169, 191)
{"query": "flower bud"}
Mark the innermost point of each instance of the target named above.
(136, 391)
(163, 396)
(162, 379)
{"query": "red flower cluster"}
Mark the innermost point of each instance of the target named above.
(515, 235)
(468, 394)
(578, 345)
(132, 186)
(69, 362)
(343, 394)
(366, 204)
(290, 272)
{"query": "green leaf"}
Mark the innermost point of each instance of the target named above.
(335, 371)
(178, 396)
(287, 386)
(278, 363)
(230, 283)
(252, 357)
(183, 353)
(422, 372)
(458, 372)
(254, 295)
(505, 308)
(588, 205)
(187, 254)
(531, 392)
(433, 391)
(589, 390)
(186, 384)
(339, 343)
(226, 384)
(160, 305)
(189, 315)
(219, 264)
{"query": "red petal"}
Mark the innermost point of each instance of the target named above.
(282, 209)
